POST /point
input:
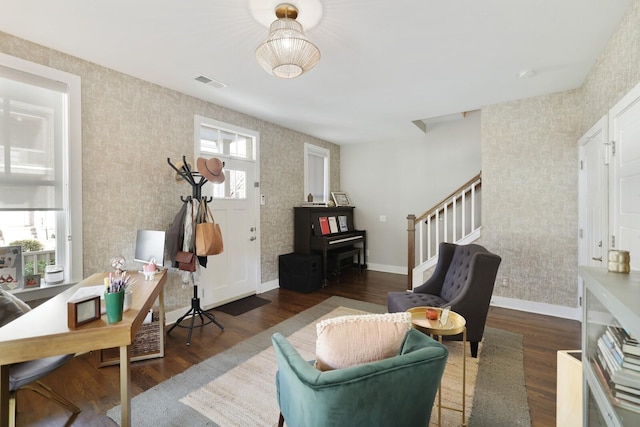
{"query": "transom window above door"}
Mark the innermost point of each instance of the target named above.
(235, 146)
(215, 141)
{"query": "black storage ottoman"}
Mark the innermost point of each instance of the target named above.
(299, 272)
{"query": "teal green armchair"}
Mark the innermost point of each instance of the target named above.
(396, 391)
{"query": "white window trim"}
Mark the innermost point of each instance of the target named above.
(320, 152)
(70, 245)
(201, 120)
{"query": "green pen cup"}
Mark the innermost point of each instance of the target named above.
(114, 302)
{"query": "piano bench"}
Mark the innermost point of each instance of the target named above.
(337, 256)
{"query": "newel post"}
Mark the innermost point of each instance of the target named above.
(411, 249)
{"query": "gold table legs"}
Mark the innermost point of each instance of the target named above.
(464, 383)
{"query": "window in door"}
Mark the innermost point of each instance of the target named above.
(316, 173)
(40, 207)
(232, 145)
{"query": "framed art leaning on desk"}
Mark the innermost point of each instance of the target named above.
(83, 311)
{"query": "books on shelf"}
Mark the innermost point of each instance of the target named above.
(324, 225)
(631, 365)
(611, 364)
(606, 358)
(624, 388)
(342, 221)
(626, 377)
(631, 398)
(630, 406)
(603, 375)
(333, 224)
(627, 344)
(611, 342)
(631, 348)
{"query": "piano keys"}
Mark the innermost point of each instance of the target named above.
(311, 236)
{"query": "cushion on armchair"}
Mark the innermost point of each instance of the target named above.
(11, 307)
(353, 340)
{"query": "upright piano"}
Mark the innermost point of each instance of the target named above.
(323, 229)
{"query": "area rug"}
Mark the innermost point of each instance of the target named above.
(244, 305)
(237, 388)
(501, 397)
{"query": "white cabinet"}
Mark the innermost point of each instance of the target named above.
(569, 389)
(610, 299)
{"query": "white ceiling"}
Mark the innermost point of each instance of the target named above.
(384, 63)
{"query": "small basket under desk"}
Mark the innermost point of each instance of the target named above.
(147, 344)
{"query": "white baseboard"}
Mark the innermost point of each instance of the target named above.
(573, 313)
(172, 316)
(267, 286)
(387, 268)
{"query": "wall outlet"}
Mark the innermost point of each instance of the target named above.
(505, 281)
(383, 218)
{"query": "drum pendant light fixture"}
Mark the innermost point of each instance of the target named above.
(287, 53)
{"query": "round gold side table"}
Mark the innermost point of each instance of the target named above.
(455, 324)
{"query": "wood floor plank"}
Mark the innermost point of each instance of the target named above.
(96, 390)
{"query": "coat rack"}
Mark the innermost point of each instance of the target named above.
(196, 310)
(188, 175)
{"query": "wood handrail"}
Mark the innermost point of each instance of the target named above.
(438, 205)
(412, 220)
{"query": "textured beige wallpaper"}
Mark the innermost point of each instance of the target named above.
(530, 172)
(129, 129)
(530, 200)
(615, 72)
(529, 166)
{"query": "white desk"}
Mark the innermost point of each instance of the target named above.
(43, 332)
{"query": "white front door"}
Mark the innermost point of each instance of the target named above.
(235, 273)
(624, 127)
(594, 195)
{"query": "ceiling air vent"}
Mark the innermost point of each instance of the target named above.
(206, 80)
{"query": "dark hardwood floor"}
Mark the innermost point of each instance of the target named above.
(95, 390)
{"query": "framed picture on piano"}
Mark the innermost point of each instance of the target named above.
(340, 198)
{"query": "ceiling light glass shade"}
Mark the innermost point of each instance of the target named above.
(287, 53)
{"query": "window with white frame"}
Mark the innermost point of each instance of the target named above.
(40, 165)
(231, 144)
(316, 173)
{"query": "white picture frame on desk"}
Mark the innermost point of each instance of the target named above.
(11, 267)
(340, 198)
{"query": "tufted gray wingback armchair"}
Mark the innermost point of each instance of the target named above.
(463, 279)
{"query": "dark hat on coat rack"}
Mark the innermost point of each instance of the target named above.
(180, 166)
(211, 169)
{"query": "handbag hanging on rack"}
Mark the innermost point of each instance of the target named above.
(186, 261)
(208, 234)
